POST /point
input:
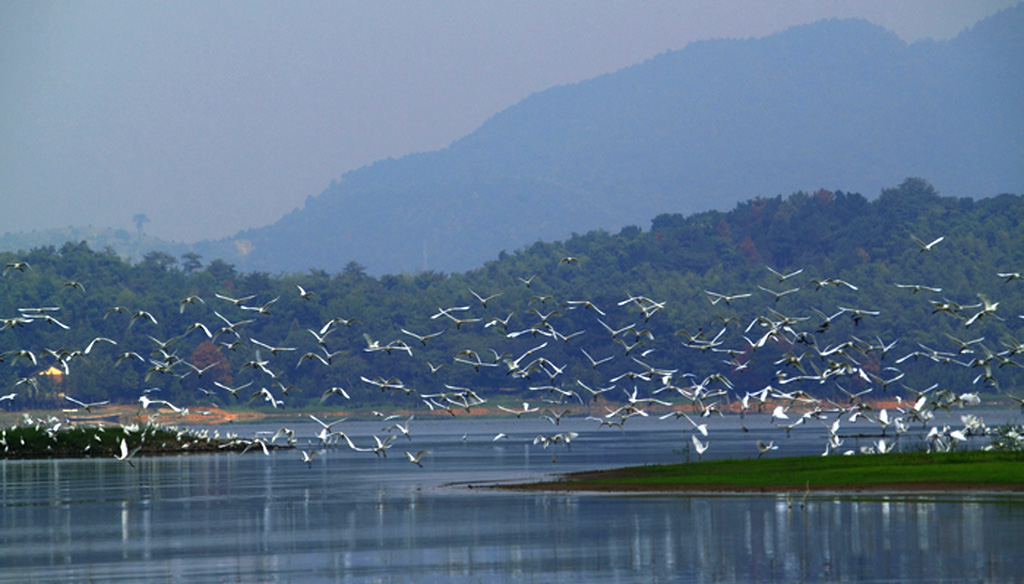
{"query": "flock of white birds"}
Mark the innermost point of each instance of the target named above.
(642, 388)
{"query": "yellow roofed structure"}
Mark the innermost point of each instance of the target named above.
(53, 373)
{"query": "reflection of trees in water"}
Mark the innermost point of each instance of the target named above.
(349, 516)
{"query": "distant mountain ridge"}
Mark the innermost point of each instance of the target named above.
(839, 104)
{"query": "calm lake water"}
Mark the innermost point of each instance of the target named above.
(354, 517)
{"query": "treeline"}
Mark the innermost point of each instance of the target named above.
(769, 328)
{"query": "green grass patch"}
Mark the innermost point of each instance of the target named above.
(974, 468)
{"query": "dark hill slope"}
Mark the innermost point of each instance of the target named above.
(836, 103)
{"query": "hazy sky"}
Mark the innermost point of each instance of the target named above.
(211, 117)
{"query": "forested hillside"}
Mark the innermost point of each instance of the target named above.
(833, 104)
(850, 301)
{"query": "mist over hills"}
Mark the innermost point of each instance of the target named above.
(838, 104)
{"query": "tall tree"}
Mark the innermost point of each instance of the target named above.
(191, 261)
(140, 219)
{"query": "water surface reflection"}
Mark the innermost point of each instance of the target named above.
(355, 518)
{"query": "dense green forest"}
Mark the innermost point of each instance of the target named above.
(821, 292)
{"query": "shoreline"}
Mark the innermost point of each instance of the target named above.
(966, 472)
(127, 413)
(904, 488)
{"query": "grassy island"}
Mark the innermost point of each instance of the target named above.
(973, 470)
